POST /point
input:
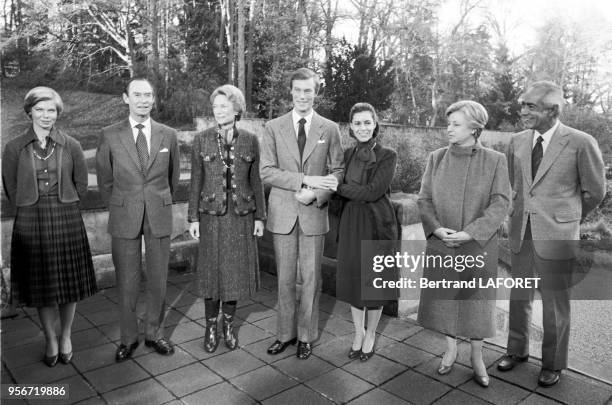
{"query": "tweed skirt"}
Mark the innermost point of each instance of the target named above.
(50, 256)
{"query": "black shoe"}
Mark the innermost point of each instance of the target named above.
(65, 357)
(231, 341)
(304, 350)
(211, 340)
(366, 356)
(279, 347)
(508, 362)
(548, 378)
(353, 354)
(125, 352)
(161, 346)
(482, 380)
(50, 361)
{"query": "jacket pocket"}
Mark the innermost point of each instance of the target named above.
(567, 216)
(116, 200)
(247, 158)
(208, 157)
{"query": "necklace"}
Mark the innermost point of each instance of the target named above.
(46, 157)
(226, 163)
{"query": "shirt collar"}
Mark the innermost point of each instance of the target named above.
(54, 135)
(546, 136)
(146, 123)
(297, 117)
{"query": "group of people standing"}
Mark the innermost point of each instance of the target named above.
(550, 179)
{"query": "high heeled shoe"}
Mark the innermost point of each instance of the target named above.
(65, 358)
(444, 369)
(482, 380)
(353, 354)
(50, 361)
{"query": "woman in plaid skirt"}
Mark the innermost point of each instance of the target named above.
(44, 175)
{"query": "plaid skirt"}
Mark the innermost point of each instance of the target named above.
(50, 256)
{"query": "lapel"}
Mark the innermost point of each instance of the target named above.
(126, 136)
(556, 145)
(156, 139)
(60, 141)
(289, 136)
(313, 137)
(524, 156)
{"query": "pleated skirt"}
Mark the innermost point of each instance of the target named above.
(50, 256)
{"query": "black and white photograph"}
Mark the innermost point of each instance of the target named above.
(289, 202)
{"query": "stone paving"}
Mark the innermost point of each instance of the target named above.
(403, 371)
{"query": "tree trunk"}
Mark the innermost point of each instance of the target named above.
(240, 45)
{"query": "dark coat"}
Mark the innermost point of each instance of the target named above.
(19, 171)
(376, 192)
(209, 193)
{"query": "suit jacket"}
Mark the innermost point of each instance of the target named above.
(282, 168)
(570, 182)
(127, 190)
(209, 193)
(19, 170)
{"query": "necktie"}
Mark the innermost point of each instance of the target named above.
(142, 148)
(536, 156)
(301, 136)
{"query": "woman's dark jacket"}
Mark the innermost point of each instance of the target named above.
(19, 170)
(209, 192)
(379, 174)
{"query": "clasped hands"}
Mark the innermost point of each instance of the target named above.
(307, 195)
(452, 238)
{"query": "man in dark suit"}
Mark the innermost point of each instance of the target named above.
(557, 177)
(137, 166)
(301, 158)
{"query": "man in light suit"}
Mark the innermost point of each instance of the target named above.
(557, 177)
(137, 166)
(301, 158)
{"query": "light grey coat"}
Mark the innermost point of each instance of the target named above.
(465, 189)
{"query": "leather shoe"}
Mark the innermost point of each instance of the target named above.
(508, 362)
(548, 378)
(353, 354)
(124, 352)
(161, 346)
(304, 350)
(65, 358)
(444, 369)
(279, 347)
(50, 361)
(482, 380)
(366, 356)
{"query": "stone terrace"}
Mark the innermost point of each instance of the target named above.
(403, 371)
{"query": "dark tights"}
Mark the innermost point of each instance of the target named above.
(211, 308)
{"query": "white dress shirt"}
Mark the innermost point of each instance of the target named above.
(146, 130)
(546, 137)
(296, 124)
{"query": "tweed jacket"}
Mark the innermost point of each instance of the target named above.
(282, 168)
(19, 171)
(127, 190)
(209, 193)
(570, 182)
(375, 193)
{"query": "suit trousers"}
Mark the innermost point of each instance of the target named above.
(300, 255)
(555, 305)
(127, 258)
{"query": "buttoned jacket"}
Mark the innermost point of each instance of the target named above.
(209, 192)
(19, 170)
(569, 183)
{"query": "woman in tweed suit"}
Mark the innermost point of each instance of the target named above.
(464, 198)
(226, 211)
(44, 175)
(367, 214)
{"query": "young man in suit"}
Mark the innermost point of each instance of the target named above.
(557, 177)
(137, 166)
(301, 158)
